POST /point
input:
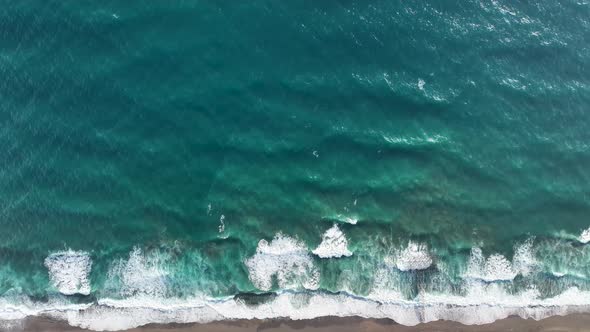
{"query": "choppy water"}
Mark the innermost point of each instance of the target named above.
(198, 160)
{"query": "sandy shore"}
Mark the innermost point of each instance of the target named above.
(576, 322)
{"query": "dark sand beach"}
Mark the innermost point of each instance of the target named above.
(570, 323)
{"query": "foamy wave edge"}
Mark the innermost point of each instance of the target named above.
(112, 315)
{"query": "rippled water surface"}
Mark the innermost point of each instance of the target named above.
(196, 161)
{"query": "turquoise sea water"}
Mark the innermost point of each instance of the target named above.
(147, 147)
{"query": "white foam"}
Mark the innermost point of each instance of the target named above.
(415, 257)
(221, 227)
(421, 84)
(21, 307)
(140, 274)
(286, 258)
(497, 267)
(351, 220)
(334, 244)
(524, 260)
(415, 141)
(484, 304)
(143, 277)
(69, 271)
(222, 233)
(386, 284)
(585, 236)
(347, 219)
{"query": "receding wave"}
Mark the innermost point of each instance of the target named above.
(484, 303)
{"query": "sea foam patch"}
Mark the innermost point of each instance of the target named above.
(349, 219)
(285, 258)
(414, 257)
(497, 267)
(585, 236)
(141, 274)
(334, 244)
(481, 306)
(524, 260)
(493, 268)
(69, 271)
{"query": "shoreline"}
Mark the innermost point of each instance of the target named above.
(574, 322)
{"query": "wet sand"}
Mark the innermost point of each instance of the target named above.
(575, 322)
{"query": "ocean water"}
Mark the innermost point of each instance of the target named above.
(191, 161)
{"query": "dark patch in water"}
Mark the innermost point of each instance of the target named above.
(253, 299)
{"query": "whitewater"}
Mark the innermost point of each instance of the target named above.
(142, 281)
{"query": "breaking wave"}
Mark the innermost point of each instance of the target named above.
(415, 257)
(285, 258)
(69, 271)
(497, 267)
(334, 244)
(140, 274)
(407, 287)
